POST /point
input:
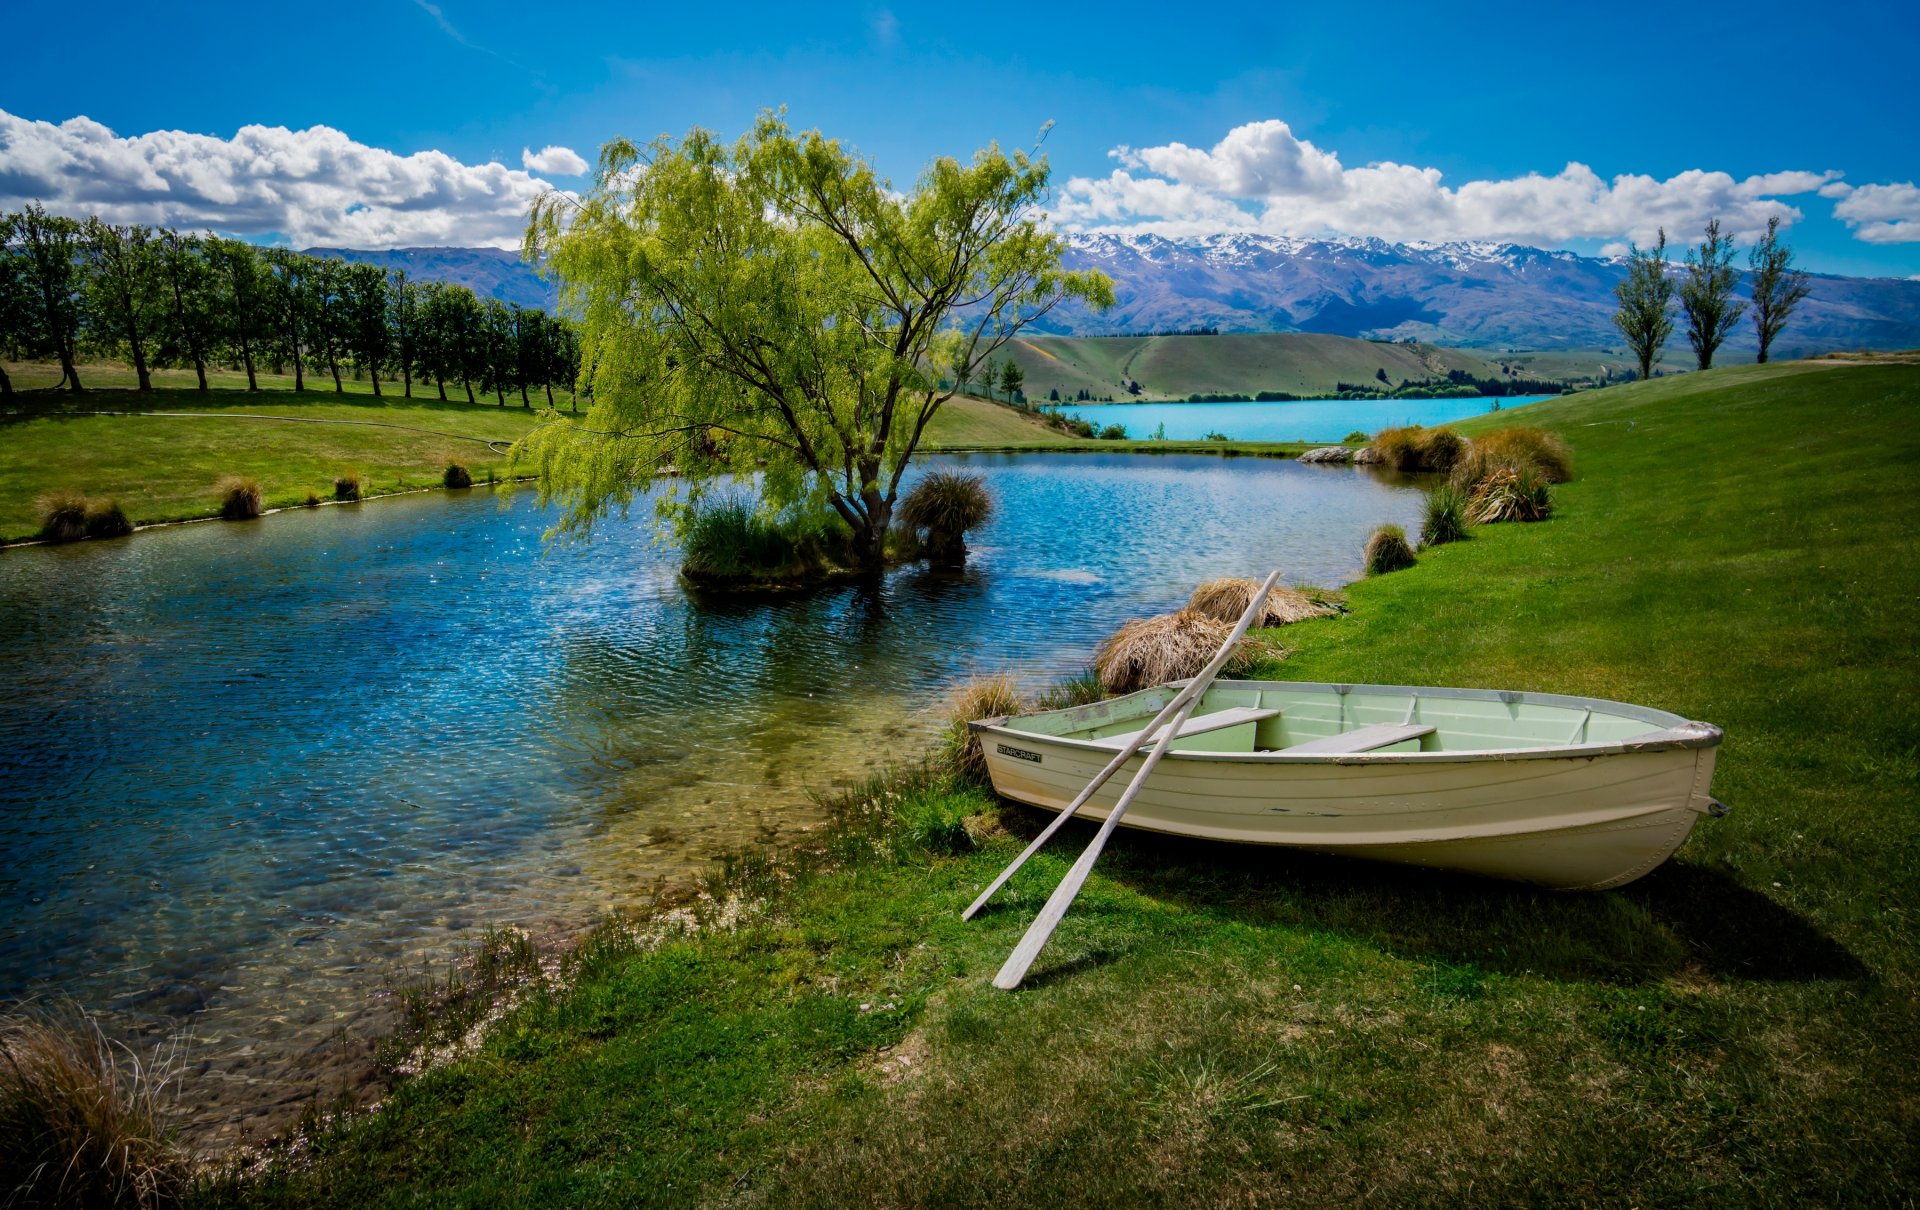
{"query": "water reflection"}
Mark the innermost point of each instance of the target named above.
(251, 769)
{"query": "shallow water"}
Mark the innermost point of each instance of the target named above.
(253, 771)
(1298, 420)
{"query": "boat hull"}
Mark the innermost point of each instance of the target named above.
(1569, 819)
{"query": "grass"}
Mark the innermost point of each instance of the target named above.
(941, 508)
(1168, 647)
(1215, 1024)
(164, 466)
(1225, 600)
(1387, 550)
(1446, 516)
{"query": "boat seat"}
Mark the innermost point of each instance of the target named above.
(1362, 739)
(1199, 724)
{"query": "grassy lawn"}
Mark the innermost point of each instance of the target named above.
(163, 466)
(1221, 1025)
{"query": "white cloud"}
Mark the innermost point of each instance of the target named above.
(1263, 177)
(312, 187)
(561, 161)
(1882, 214)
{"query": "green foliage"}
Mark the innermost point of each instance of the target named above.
(1645, 317)
(779, 292)
(1081, 689)
(1706, 294)
(1777, 286)
(731, 541)
(942, 507)
(1446, 516)
(1387, 550)
(1357, 437)
(49, 247)
(125, 307)
(1114, 432)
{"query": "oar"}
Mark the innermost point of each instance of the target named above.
(1193, 690)
(1015, 967)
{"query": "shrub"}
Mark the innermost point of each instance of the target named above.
(1510, 495)
(63, 517)
(239, 498)
(943, 506)
(1446, 515)
(1226, 599)
(1356, 437)
(1387, 550)
(1152, 651)
(81, 1121)
(1114, 432)
(347, 487)
(981, 697)
(106, 519)
(1213, 436)
(456, 476)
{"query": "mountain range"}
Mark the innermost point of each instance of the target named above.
(1467, 295)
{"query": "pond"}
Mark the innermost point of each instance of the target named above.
(255, 771)
(1325, 420)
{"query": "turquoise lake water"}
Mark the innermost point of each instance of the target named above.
(1302, 420)
(255, 771)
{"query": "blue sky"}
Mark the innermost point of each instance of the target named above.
(1399, 120)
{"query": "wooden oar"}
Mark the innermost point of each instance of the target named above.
(1015, 967)
(1192, 692)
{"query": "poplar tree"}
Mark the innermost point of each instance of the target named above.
(1645, 317)
(1777, 286)
(776, 303)
(51, 246)
(1706, 294)
(125, 306)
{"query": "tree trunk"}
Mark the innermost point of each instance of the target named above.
(6, 384)
(499, 394)
(333, 367)
(468, 383)
(67, 368)
(140, 374)
(299, 379)
(375, 375)
(406, 377)
(246, 358)
(523, 396)
(442, 384)
(549, 393)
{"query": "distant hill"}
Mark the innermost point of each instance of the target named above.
(1472, 295)
(488, 272)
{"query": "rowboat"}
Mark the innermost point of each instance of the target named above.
(1572, 793)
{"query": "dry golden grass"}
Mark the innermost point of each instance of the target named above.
(981, 697)
(240, 498)
(63, 516)
(1169, 647)
(1224, 600)
(1510, 494)
(1515, 448)
(81, 1118)
(1387, 550)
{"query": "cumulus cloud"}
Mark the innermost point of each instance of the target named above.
(1882, 214)
(1263, 177)
(310, 187)
(560, 161)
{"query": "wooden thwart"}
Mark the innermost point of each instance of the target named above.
(1361, 739)
(1218, 720)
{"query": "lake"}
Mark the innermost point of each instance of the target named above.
(256, 771)
(1325, 420)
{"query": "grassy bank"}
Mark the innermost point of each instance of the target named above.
(1215, 1025)
(166, 463)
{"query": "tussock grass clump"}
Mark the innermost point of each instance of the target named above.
(347, 487)
(981, 697)
(106, 519)
(1082, 689)
(1510, 495)
(1387, 550)
(456, 475)
(1515, 448)
(943, 506)
(313, 500)
(1446, 519)
(1439, 449)
(1224, 600)
(1414, 448)
(240, 498)
(63, 517)
(732, 543)
(82, 1120)
(1152, 651)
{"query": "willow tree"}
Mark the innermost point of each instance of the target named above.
(776, 307)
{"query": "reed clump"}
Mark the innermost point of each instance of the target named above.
(943, 506)
(1387, 550)
(982, 697)
(1515, 448)
(1508, 494)
(82, 1119)
(456, 475)
(1224, 600)
(106, 519)
(1413, 448)
(1446, 517)
(1081, 689)
(240, 498)
(63, 517)
(1169, 647)
(347, 487)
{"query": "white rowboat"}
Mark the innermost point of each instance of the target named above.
(1571, 793)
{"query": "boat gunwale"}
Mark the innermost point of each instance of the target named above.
(1677, 731)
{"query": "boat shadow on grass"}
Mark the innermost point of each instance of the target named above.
(1681, 917)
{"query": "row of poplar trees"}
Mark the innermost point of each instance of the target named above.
(1705, 287)
(157, 297)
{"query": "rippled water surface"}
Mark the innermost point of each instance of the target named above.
(253, 771)
(1295, 420)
